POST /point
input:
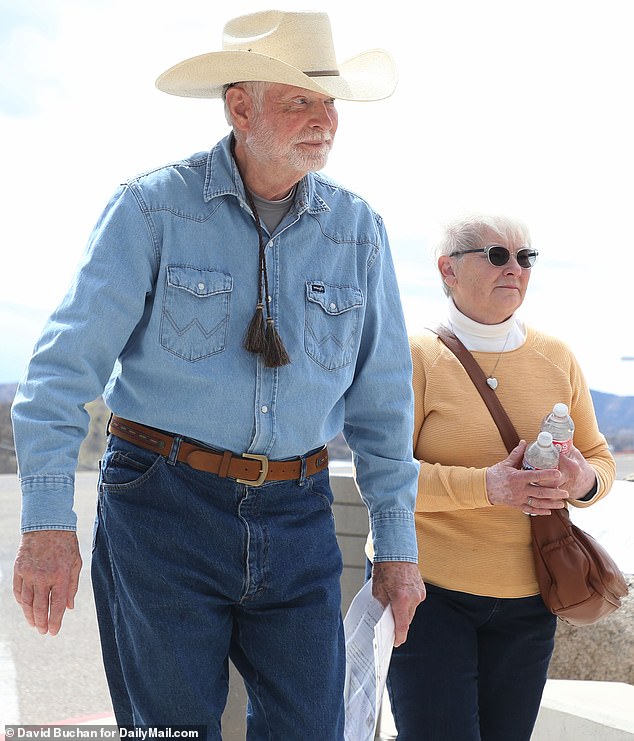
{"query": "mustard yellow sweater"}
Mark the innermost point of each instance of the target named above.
(465, 543)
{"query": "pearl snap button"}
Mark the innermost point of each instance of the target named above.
(201, 286)
(265, 409)
(333, 306)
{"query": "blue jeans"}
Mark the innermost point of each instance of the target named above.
(190, 569)
(472, 669)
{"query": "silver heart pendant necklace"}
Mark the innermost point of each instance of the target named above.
(492, 381)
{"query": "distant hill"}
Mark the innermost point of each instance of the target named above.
(615, 415)
(614, 411)
(7, 392)
(616, 419)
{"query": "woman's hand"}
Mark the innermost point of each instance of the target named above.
(532, 492)
(577, 475)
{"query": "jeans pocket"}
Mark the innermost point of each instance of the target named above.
(125, 466)
(195, 313)
(333, 315)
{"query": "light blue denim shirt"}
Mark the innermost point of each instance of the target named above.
(156, 316)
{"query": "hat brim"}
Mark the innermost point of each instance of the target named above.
(367, 76)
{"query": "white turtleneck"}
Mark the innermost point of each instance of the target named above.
(508, 335)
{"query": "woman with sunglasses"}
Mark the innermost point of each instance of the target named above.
(475, 662)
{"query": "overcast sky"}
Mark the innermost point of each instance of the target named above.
(502, 106)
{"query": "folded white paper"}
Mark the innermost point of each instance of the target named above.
(369, 631)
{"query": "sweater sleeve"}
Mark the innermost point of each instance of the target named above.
(441, 488)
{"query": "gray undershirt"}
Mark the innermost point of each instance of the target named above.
(271, 213)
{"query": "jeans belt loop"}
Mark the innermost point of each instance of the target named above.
(302, 471)
(176, 444)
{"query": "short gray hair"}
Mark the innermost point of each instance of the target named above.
(255, 90)
(473, 232)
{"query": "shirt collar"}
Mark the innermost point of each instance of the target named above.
(222, 179)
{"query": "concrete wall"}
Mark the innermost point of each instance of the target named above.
(351, 519)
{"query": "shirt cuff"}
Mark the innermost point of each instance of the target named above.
(394, 536)
(47, 503)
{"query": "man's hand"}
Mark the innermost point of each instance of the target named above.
(46, 577)
(398, 583)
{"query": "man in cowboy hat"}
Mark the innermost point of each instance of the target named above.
(250, 310)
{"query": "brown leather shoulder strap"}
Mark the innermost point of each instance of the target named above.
(500, 417)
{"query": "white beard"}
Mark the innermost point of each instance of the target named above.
(265, 143)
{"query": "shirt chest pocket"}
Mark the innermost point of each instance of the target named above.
(332, 323)
(195, 312)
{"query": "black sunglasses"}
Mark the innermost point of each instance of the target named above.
(498, 255)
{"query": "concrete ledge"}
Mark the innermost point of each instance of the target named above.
(585, 711)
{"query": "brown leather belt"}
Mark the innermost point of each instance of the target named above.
(248, 468)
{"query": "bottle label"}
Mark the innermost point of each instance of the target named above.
(563, 446)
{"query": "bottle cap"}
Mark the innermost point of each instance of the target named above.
(544, 439)
(560, 410)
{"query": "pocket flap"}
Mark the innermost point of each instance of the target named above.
(333, 299)
(198, 281)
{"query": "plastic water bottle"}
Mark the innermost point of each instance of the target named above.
(541, 453)
(561, 427)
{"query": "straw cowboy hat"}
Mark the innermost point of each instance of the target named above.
(291, 48)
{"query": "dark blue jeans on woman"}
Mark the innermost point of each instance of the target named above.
(472, 669)
(190, 569)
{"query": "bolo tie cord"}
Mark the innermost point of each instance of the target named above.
(262, 337)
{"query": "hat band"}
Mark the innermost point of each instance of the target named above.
(323, 73)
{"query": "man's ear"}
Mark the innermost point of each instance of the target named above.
(445, 266)
(240, 107)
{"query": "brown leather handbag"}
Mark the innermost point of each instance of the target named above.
(579, 582)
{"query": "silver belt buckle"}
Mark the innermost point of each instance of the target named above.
(264, 469)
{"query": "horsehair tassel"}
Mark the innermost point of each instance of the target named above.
(254, 339)
(274, 353)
